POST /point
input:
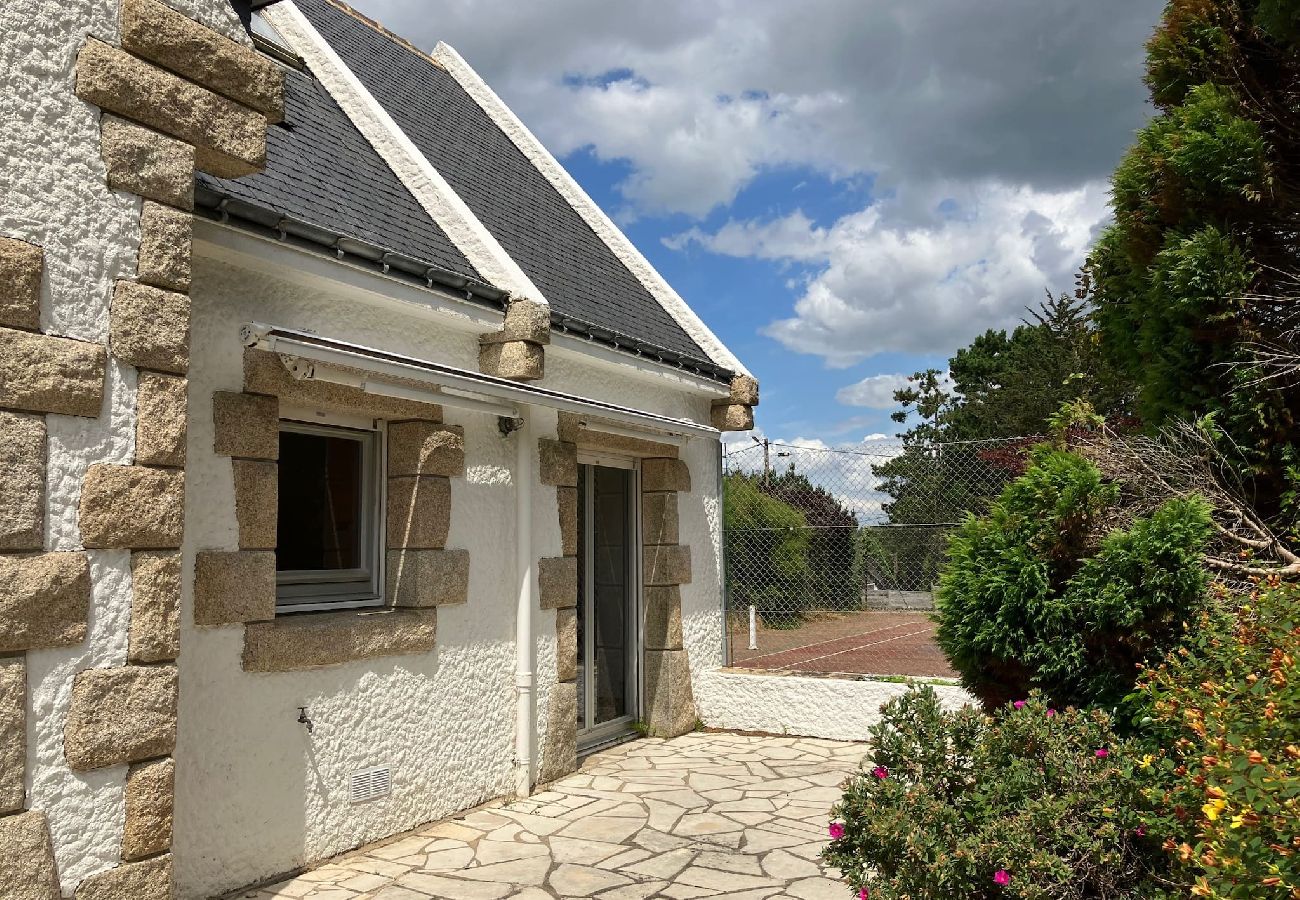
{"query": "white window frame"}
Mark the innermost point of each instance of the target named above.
(314, 590)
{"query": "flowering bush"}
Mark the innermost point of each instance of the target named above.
(1227, 788)
(1031, 802)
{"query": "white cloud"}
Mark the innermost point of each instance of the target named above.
(873, 392)
(703, 96)
(923, 272)
(845, 470)
(988, 132)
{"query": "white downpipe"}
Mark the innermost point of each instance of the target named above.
(525, 563)
(753, 629)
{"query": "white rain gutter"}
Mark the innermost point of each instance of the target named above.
(312, 356)
(525, 566)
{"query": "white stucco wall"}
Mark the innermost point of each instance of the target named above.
(53, 193)
(835, 708)
(259, 795)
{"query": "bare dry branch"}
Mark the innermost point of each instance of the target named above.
(1187, 460)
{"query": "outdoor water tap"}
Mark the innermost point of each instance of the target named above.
(303, 720)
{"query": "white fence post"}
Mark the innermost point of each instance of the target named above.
(753, 629)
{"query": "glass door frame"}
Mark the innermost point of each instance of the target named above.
(590, 738)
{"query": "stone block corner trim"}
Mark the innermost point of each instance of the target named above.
(27, 857)
(736, 412)
(132, 507)
(21, 267)
(246, 425)
(560, 744)
(667, 564)
(46, 601)
(425, 578)
(234, 586)
(665, 474)
(505, 358)
(230, 138)
(162, 35)
(150, 789)
(149, 327)
(160, 425)
(145, 162)
(558, 463)
(557, 582)
(154, 634)
(566, 644)
(731, 417)
(41, 373)
(13, 733)
(527, 320)
(120, 715)
(166, 234)
(149, 879)
(670, 703)
(22, 491)
(744, 390)
(421, 447)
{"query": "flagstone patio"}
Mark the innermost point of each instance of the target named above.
(703, 815)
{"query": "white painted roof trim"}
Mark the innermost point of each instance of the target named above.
(274, 259)
(591, 213)
(425, 183)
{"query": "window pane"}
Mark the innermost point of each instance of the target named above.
(321, 503)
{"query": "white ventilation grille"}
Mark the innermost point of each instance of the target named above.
(371, 784)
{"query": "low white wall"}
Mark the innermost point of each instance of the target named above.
(834, 708)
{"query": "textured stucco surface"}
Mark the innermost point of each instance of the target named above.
(56, 196)
(835, 708)
(257, 794)
(55, 191)
(216, 14)
(84, 808)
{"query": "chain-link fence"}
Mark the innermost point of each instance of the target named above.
(833, 552)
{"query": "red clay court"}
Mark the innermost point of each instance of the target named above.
(855, 643)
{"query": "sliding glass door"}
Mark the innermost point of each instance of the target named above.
(608, 602)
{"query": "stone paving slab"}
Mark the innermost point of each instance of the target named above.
(724, 816)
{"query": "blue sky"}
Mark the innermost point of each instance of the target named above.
(736, 296)
(845, 190)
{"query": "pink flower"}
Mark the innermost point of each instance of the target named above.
(1019, 704)
(863, 894)
(836, 831)
(1050, 713)
(1103, 753)
(1002, 877)
(880, 772)
(1140, 831)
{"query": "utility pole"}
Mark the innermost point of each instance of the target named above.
(767, 463)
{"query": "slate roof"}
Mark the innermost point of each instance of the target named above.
(579, 275)
(325, 188)
(322, 172)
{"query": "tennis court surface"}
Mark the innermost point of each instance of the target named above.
(870, 642)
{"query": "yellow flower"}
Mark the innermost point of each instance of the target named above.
(1146, 761)
(1213, 808)
(1236, 821)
